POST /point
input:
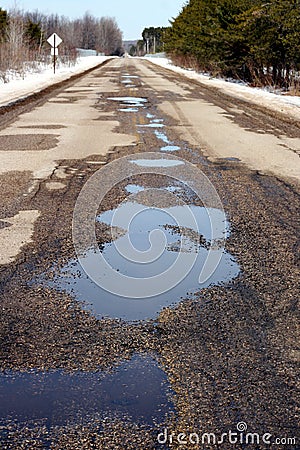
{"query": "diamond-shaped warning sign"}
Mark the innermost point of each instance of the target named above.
(54, 40)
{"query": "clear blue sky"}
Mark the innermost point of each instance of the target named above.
(132, 15)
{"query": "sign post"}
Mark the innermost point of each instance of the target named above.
(54, 40)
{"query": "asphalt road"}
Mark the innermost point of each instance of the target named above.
(229, 352)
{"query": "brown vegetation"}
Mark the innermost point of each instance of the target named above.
(24, 47)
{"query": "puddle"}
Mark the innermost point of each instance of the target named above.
(170, 148)
(174, 189)
(128, 80)
(137, 389)
(134, 188)
(152, 125)
(133, 255)
(162, 136)
(128, 109)
(157, 162)
(134, 101)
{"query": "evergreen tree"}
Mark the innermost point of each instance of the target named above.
(34, 34)
(154, 39)
(3, 24)
(256, 40)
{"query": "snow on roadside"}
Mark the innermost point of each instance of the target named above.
(289, 105)
(35, 82)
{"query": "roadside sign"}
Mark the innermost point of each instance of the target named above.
(54, 40)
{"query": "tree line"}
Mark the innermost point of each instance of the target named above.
(23, 39)
(257, 41)
(152, 42)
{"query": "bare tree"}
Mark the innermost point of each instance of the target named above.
(89, 30)
(15, 35)
(76, 32)
(24, 45)
(109, 36)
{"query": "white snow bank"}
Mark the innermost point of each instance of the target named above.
(286, 104)
(35, 82)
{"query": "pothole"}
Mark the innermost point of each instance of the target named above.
(162, 136)
(137, 389)
(133, 101)
(161, 162)
(128, 109)
(134, 188)
(54, 185)
(152, 125)
(28, 142)
(170, 148)
(46, 126)
(150, 245)
(230, 158)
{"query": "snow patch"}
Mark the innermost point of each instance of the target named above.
(18, 88)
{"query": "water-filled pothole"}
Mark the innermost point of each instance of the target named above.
(170, 148)
(152, 125)
(172, 254)
(133, 101)
(162, 136)
(137, 389)
(134, 188)
(179, 190)
(128, 109)
(161, 162)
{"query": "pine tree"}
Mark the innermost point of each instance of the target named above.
(3, 24)
(258, 41)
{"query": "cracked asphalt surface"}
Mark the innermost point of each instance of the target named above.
(230, 353)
